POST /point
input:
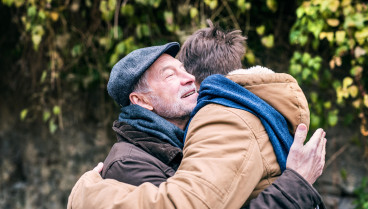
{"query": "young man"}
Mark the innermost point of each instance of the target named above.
(202, 180)
(265, 102)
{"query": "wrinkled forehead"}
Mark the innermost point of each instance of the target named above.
(163, 62)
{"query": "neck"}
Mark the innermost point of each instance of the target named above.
(179, 122)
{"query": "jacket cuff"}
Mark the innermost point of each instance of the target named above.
(297, 188)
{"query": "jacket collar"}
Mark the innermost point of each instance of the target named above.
(156, 147)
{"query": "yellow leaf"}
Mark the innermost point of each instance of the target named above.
(54, 16)
(356, 103)
(339, 94)
(333, 22)
(334, 5)
(365, 100)
(347, 82)
(260, 30)
(332, 63)
(268, 41)
(330, 36)
(250, 57)
(340, 36)
(322, 35)
(356, 70)
(338, 61)
(345, 3)
(23, 114)
(272, 5)
(358, 52)
(353, 91)
(193, 12)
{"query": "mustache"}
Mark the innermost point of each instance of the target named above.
(187, 88)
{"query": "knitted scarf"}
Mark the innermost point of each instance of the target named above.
(221, 90)
(149, 122)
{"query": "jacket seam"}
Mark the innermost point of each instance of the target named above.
(248, 154)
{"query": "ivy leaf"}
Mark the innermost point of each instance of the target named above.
(268, 41)
(250, 57)
(313, 96)
(31, 11)
(353, 91)
(37, 33)
(360, 36)
(127, 10)
(347, 82)
(212, 4)
(365, 100)
(356, 71)
(305, 73)
(355, 20)
(333, 22)
(333, 5)
(327, 104)
(272, 5)
(46, 115)
(54, 16)
(120, 48)
(56, 110)
(193, 12)
(52, 127)
(242, 5)
(23, 114)
(340, 36)
(43, 76)
(315, 121)
(358, 52)
(333, 117)
(260, 30)
(76, 50)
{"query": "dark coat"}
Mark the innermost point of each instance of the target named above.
(138, 157)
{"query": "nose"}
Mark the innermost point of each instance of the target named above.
(186, 78)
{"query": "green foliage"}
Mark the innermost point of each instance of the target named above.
(76, 43)
(79, 42)
(339, 31)
(362, 193)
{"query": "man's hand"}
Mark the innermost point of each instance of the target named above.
(307, 160)
(99, 167)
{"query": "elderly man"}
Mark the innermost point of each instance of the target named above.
(211, 174)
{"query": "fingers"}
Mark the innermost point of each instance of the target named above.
(324, 151)
(99, 167)
(300, 134)
(316, 138)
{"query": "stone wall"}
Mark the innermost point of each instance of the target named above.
(39, 169)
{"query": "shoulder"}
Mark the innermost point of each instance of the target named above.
(130, 164)
(219, 115)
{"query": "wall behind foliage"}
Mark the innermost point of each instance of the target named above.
(56, 57)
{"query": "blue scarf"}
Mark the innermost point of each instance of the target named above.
(221, 90)
(149, 122)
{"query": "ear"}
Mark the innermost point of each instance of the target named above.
(141, 100)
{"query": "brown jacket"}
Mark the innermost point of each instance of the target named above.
(138, 157)
(216, 171)
(279, 90)
(290, 191)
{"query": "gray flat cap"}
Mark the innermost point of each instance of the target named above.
(126, 73)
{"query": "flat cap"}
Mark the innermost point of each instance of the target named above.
(126, 73)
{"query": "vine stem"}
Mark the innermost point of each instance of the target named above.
(237, 26)
(335, 155)
(116, 18)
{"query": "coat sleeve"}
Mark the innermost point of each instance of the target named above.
(216, 172)
(135, 172)
(290, 190)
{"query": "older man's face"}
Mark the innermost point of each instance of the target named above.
(173, 93)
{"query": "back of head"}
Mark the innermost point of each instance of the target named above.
(212, 51)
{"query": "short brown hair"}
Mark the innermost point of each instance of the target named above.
(212, 51)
